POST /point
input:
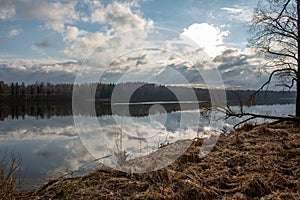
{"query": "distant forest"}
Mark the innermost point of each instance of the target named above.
(44, 100)
(148, 92)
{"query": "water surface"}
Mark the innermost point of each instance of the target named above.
(51, 147)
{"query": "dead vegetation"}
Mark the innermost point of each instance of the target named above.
(253, 162)
(10, 175)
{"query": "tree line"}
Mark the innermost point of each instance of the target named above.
(50, 91)
(144, 92)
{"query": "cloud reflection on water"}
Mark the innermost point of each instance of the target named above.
(51, 147)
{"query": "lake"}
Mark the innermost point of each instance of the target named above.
(51, 145)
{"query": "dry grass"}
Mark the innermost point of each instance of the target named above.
(10, 175)
(254, 162)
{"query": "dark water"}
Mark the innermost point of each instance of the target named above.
(50, 145)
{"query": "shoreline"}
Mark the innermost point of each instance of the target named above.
(255, 161)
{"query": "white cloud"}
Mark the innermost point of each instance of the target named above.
(59, 14)
(72, 33)
(239, 13)
(14, 32)
(7, 10)
(207, 36)
(62, 18)
(241, 69)
(81, 43)
(53, 14)
(120, 16)
(30, 70)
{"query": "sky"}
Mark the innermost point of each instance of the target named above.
(163, 41)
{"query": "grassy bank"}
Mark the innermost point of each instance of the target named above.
(253, 162)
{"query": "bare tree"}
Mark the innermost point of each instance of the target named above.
(275, 28)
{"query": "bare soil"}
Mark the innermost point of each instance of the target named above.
(253, 162)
